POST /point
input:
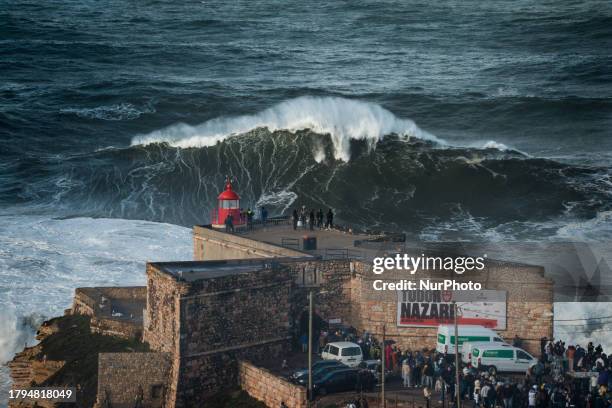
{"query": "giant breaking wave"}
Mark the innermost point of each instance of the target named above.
(343, 119)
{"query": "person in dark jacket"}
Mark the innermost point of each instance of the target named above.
(311, 220)
(320, 219)
(229, 223)
(330, 219)
(295, 219)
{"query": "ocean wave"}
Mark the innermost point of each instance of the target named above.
(405, 184)
(120, 111)
(343, 119)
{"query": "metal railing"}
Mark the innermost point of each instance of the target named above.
(342, 253)
(292, 243)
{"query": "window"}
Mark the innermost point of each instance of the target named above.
(497, 339)
(228, 203)
(499, 353)
(351, 351)
(334, 350)
(522, 355)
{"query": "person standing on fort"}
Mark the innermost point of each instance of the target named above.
(295, 219)
(264, 216)
(329, 224)
(311, 220)
(302, 220)
(229, 223)
(250, 215)
(320, 219)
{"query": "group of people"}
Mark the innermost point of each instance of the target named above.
(248, 216)
(310, 219)
(551, 383)
(301, 219)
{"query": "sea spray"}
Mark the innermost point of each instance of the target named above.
(15, 332)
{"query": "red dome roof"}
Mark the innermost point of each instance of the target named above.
(228, 194)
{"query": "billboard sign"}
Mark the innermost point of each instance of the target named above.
(431, 308)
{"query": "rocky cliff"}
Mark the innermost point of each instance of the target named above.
(66, 355)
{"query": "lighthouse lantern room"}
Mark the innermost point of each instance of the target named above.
(228, 204)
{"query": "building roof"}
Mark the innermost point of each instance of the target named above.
(191, 271)
(344, 344)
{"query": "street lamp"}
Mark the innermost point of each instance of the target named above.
(310, 318)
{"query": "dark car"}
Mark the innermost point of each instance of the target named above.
(315, 366)
(348, 379)
(320, 372)
(375, 367)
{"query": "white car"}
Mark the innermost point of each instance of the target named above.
(344, 351)
(501, 358)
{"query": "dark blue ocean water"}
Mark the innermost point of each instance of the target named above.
(517, 94)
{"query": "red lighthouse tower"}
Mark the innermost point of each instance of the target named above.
(229, 204)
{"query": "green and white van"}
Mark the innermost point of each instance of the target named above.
(467, 333)
(501, 358)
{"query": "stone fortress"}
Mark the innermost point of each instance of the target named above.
(210, 323)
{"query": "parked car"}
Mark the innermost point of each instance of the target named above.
(349, 379)
(320, 372)
(501, 358)
(467, 333)
(318, 364)
(343, 351)
(375, 367)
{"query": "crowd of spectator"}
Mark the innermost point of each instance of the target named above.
(569, 376)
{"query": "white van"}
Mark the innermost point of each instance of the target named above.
(466, 349)
(501, 358)
(467, 333)
(344, 351)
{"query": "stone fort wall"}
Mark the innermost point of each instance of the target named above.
(269, 388)
(122, 377)
(210, 245)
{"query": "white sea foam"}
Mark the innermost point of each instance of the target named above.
(280, 199)
(318, 152)
(43, 260)
(492, 144)
(120, 111)
(343, 119)
(598, 228)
